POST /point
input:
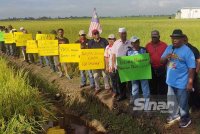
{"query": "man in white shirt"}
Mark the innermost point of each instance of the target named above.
(119, 49)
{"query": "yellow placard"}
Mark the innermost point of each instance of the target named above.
(16, 35)
(69, 52)
(45, 37)
(31, 46)
(48, 47)
(8, 38)
(91, 59)
(21, 39)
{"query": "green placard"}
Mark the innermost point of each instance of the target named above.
(135, 67)
(1, 36)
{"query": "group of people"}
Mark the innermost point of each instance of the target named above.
(51, 61)
(174, 67)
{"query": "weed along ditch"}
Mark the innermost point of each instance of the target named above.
(64, 107)
(26, 107)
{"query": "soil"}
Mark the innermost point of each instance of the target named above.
(70, 89)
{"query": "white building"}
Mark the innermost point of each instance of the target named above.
(188, 13)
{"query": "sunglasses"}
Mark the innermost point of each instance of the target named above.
(96, 33)
(111, 39)
(83, 34)
(154, 37)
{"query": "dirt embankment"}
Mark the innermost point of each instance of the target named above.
(102, 112)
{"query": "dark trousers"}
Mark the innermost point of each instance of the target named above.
(113, 77)
(51, 63)
(194, 98)
(158, 84)
(121, 86)
(2, 47)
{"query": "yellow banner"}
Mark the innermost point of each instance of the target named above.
(69, 52)
(91, 59)
(31, 46)
(48, 47)
(16, 35)
(22, 39)
(45, 37)
(8, 38)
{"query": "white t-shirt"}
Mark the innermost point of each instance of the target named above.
(119, 48)
(108, 54)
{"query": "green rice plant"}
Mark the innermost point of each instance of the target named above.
(22, 107)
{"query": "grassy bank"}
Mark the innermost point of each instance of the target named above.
(22, 107)
(84, 104)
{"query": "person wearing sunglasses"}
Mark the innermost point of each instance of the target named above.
(96, 43)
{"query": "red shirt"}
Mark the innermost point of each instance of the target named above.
(155, 51)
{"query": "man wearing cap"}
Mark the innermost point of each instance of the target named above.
(135, 50)
(119, 49)
(180, 62)
(84, 45)
(156, 48)
(21, 29)
(108, 60)
(96, 43)
(194, 98)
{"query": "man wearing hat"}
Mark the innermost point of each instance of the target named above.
(180, 74)
(119, 49)
(96, 43)
(156, 48)
(108, 60)
(84, 45)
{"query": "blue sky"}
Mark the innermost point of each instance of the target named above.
(65, 8)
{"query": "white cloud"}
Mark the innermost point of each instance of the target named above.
(35, 8)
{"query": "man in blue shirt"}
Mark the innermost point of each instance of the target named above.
(180, 73)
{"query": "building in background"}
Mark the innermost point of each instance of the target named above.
(188, 13)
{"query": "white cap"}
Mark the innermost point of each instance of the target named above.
(81, 32)
(134, 38)
(111, 36)
(122, 30)
(14, 30)
(21, 28)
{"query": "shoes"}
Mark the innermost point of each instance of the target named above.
(114, 95)
(171, 119)
(61, 75)
(131, 102)
(81, 86)
(97, 91)
(68, 77)
(92, 87)
(185, 122)
(108, 89)
(121, 98)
